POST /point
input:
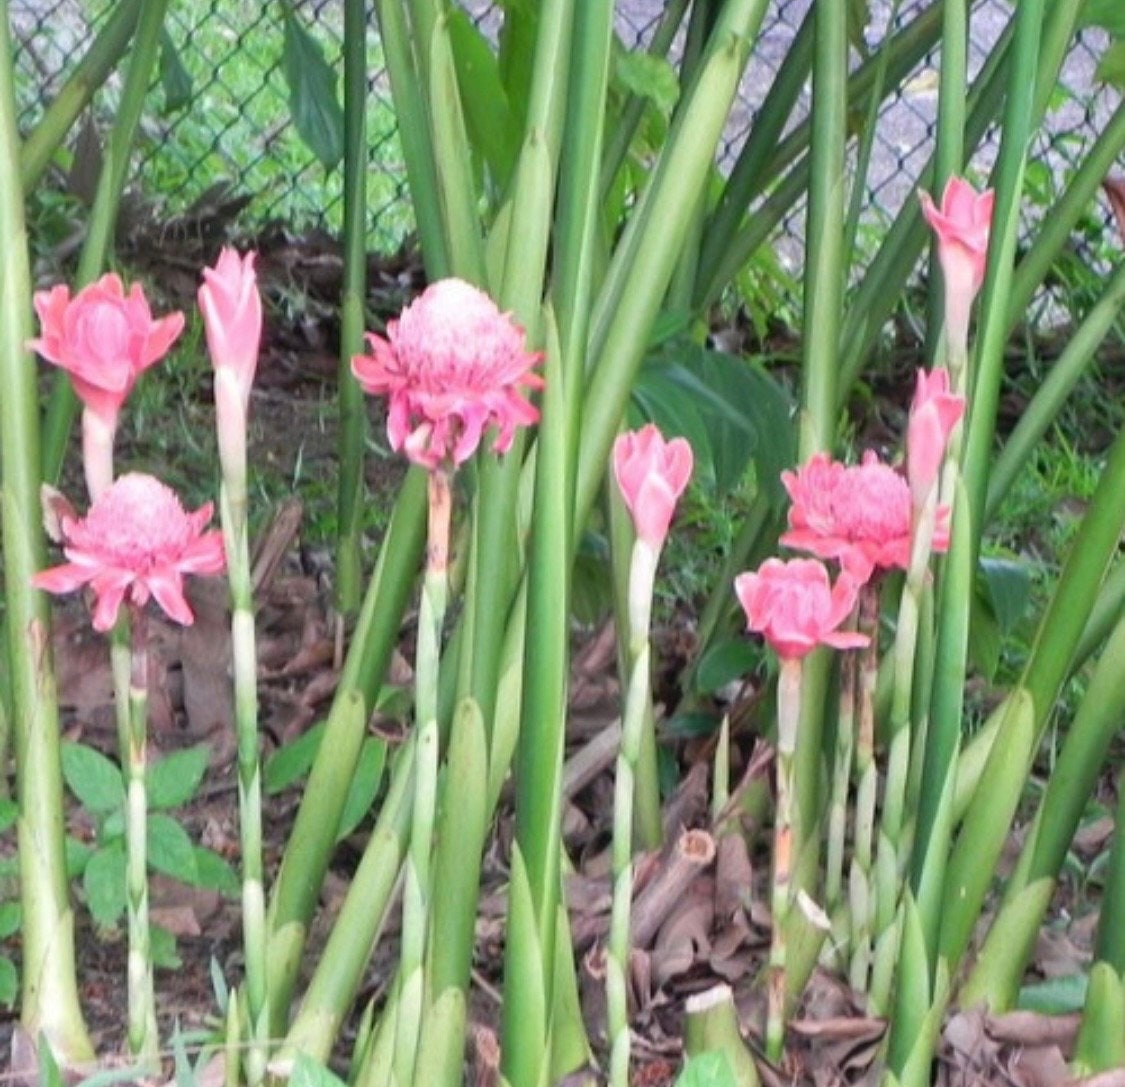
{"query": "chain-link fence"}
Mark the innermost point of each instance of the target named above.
(236, 126)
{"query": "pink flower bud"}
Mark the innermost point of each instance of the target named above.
(651, 474)
(136, 542)
(453, 366)
(962, 225)
(104, 338)
(796, 608)
(934, 412)
(232, 317)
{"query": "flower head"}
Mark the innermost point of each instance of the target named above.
(934, 412)
(104, 338)
(136, 541)
(796, 608)
(452, 365)
(858, 514)
(652, 474)
(962, 224)
(232, 317)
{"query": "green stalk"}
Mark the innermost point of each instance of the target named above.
(99, 60)
(49, 1004)
(103, 216)
(527, 1009)
(949, 150)
(1110, 946)
(418, 888)
(307, 853)
(642, 575)
(349, 493)
(414, 134)
(341, 966)
(782, 886)
(842, 755)
(143, 1040)
(1011, 938)
(1065, 373)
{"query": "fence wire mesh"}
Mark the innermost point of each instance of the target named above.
(237, 129)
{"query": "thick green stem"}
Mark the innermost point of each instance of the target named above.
(103, 218)
(349, 493)
(50, 993)
(1111, 924)
(143, 1039)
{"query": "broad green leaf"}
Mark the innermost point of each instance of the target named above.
(1109, 14)
(9, 918)
(985, 636)
(170, 850)
(364, 786)
(1008, 584)
(93, 779)
(725, 662)
(313, 102)
(214, 872)
(292, 761)
(707, 1070)
(9, 983)
(492, 130)
(164, 951)
(591, 591)
(174, 779)
(104, 883)
(686, 726)
(174, 77)
(77, 854)
(1056, 996)
(309, 1073)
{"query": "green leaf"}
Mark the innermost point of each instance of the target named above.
(364, 786)
(170, 850)
(174, 77)
(104, 883)
(162, 945)
(9, 813)
(9, 918)
(1111, 67)
(316, 110)
(687, 726)
(1056, 996)
(646, 76)
(77, 856)
(173, 780)
(1108, 14)
(591, 590)
(49, 1074)
(985, 637)
(1008, 584)
(93, 779)
(9, 983)
(292, 761)
(219, 986)
(213, 872)
(707, 1070)
(725, 662)
(309, 1073)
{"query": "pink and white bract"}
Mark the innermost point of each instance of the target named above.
(452, 365)
(232, 317)
(104, 338)
(796, 608)
(651, 474)
(858, 514)
(934, 412)
(136, 541)
(962, 224)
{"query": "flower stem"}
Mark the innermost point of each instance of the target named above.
(781, 893)
(641, 576)
(417, 890)
(841, 776)
(142, 1001)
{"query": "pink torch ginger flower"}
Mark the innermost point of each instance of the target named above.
(859, 514)
(796, 608)
(962, 225)
(136, 541)
(934, 412)
(651, 474)
(104, 338)
(452, 365)
(232, 318)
